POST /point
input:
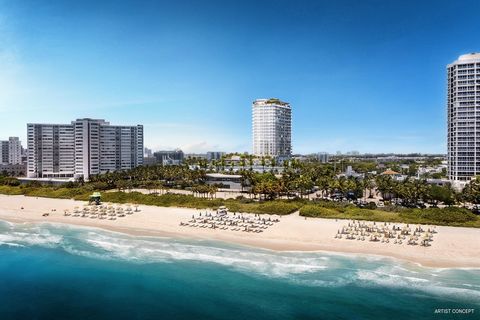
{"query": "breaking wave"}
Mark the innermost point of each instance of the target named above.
(310, 269)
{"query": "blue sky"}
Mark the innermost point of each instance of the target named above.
(360, 75)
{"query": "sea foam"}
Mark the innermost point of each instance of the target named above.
(311, 269)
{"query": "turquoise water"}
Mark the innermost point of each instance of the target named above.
(60, 272)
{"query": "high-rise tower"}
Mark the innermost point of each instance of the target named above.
(463, 107)
(83, 148)
(272, 128)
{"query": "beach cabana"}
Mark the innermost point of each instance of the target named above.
(95, 198)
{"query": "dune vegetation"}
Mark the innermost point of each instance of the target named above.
(452, 216)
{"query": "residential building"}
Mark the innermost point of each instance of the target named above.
(4, 152)
(82, 148)
(11, 151)
(215, 155)
(51, 150)
(272, 128)
(322, 157)
(14, 150)
(463, 122)
(148, 153)
(171, 157)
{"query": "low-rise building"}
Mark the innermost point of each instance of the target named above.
(350, 173)
(232, 182)
(197, 156)
(394, 175)
(439, 182)
(13, 170)
(46, 181)
(150, 161)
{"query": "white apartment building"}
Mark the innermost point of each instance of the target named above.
(11, 151)
(14, 151)
(463, 107)
(83, 148)
(272, 128)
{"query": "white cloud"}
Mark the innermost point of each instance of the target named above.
(191, 138)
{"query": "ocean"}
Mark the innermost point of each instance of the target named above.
(53, 271)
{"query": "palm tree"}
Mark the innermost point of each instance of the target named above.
(387, 186)
(322, 183)
(157, 185)
(273, 163)
(368, 185)
(303, 183)
(471, 191)
(222, 163)
(213, 191)
(120, 185)
(413, 190)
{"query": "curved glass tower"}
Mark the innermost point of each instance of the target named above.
(272, 128)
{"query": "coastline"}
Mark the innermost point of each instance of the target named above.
(453, 247)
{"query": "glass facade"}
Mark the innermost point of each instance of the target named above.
(272, 128)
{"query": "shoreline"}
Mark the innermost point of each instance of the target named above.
(453, 247)
(158, 236)
(327, 252)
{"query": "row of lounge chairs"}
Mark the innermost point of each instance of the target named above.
(386, 233)
(233, 222)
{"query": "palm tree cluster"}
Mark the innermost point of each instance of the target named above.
(302, 180)
(297, 180)
(412, 191)
(205, 190)
(150, 177)
(471, 192)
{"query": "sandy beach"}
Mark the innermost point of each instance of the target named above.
(452, 247)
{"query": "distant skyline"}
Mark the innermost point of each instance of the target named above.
(360, 75)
